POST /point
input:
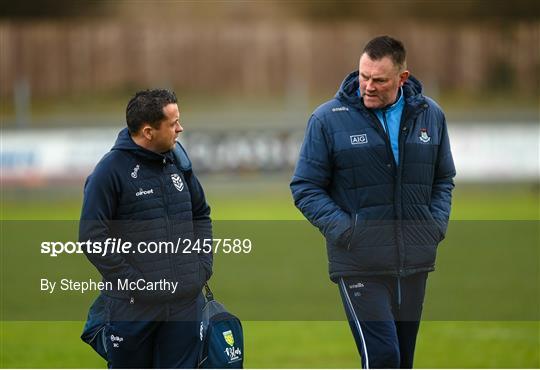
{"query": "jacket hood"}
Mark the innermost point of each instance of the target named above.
(412, 89)
(125, 142)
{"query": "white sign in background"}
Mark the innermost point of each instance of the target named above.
(482, 152)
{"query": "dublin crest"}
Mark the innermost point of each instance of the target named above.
(424, 137)
(177, 182)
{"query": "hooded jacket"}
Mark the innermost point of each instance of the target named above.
(378, 217)
(136, 195)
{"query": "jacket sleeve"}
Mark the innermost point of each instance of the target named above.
(99, 204)
(202, 223)
(310, 183)
(443, 183)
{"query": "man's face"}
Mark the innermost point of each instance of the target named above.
(380, 81)
(164, 137)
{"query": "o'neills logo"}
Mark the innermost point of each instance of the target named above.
(135, 170)
(144, 192)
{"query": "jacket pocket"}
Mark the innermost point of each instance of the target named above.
(423, 231)
(359, 232)
(436, 227)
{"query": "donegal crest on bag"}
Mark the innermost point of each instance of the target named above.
(228, 337)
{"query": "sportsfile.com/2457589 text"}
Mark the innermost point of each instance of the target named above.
(114, 245)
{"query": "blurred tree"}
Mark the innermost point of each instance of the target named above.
(501, 76)
(50, 8)
(318, 10)
(458, 10)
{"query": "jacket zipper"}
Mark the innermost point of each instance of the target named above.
(396, 168)
(165, 201)
(167, 221)
(386, 136)
(407, 116)
(388, 141)
(385, 124)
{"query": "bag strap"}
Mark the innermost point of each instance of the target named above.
(208, 293)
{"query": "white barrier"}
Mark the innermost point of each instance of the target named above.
(495, 152)
(482, 152)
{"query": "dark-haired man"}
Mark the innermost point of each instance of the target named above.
(375, 175)
(142, 192)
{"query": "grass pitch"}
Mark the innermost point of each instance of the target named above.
(295, 344)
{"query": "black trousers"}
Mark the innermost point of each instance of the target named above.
(144, 335)
(384, 315)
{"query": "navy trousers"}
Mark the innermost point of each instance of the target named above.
(146, 335)
(384, 315)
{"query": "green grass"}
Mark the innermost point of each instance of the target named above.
(296, 344)
(254, 199)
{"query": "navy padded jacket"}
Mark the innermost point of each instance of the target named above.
(378, 218)
(141, 196)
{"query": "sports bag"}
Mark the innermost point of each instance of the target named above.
(222, 337)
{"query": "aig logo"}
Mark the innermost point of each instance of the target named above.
(358, 139)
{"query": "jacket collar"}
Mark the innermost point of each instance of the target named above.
(347, 92)
(125, 142)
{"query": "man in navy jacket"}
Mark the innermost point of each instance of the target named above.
(141, 192)
(375, 175)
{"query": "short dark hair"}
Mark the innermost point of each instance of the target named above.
(147, 107)
(386, 46)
